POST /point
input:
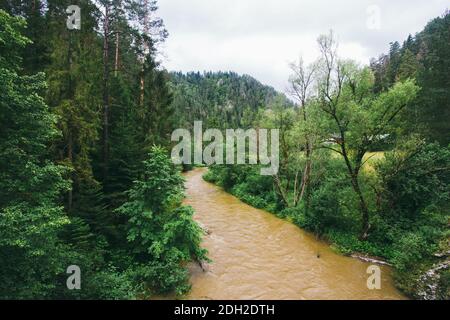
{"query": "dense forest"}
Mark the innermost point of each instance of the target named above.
(221, 99)
(86, 178)
(82, 180)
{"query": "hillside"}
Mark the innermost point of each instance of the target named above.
(221, 98)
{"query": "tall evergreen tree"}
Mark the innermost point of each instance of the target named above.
(424, 57)
(31, 255)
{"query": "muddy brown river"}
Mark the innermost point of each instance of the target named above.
(259, 256)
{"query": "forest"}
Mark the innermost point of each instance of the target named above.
(86, 176)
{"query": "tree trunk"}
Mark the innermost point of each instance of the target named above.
(307, 171)
(105, 92)
(304, 184)
(145, 52)
(116, 65)
(280, 189)
(141, 98)
(69, 125)
(365, 225)
(354, 172)
(70, 156)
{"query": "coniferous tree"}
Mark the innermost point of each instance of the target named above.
(31, 255)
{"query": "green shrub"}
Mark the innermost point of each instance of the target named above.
(162, 234)
(409, 249)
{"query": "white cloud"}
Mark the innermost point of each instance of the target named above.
(260, 37)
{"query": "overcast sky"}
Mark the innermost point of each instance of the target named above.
(261, 37)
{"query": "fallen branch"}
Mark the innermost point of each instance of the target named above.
(369, 259)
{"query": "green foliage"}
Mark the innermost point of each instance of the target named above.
(415, 204)
(409, 249)
(220, 99)
(57, 194)
(80, 111)
(424, 57)
(348, 243)
(415, 179)
(329, 207)
(11, 40)
(400, 200)
(162, 233)
(246, 183)
(30, 185)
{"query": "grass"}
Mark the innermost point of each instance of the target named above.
(370, 158)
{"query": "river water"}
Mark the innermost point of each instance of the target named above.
(259, 256)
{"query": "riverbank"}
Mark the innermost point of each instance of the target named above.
(343, 239)
(257, 255)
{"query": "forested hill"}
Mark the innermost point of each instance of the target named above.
(425, 57)
(221, 98)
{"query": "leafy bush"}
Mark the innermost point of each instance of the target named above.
(246, 183)
(409, 249)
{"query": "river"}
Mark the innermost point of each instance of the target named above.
(259, 256)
